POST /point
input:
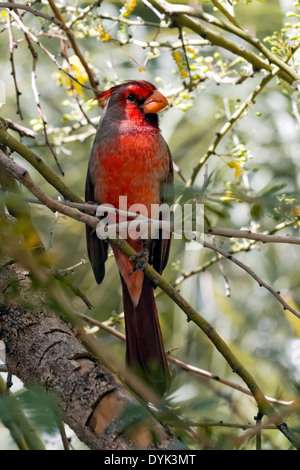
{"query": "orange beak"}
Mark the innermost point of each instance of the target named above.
(155, 103)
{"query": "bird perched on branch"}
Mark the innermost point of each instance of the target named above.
(130, 158)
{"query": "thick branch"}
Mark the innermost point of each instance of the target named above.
(41, 348)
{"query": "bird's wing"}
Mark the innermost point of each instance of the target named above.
(160, 249)
(97, 248)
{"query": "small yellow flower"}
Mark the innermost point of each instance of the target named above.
(180, 65)
(236, 166)
(105, 37)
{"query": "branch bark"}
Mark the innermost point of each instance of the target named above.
(42, 348)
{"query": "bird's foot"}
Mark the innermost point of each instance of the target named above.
(142, 257)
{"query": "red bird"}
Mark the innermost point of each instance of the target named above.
(130, 158)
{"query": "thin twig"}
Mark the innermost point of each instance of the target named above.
(63, 435)
(75, 94)
(21, 130)
(37, 162)
(217, 231)
(226, 13)
(84, 13)
(92, 77)
(181, 364)
(181, 15)
(250, 271)
(217, 378)
(228, 125)
(27, 7)
(12, 47)
(258, 419)
(248, 234)
(23, 176)
(52, 56)
(36, 94)
(102, 326)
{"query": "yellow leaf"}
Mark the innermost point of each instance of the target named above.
(78, 71)
(291, 318)
(128, 7)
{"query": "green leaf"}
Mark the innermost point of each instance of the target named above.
(41, 407)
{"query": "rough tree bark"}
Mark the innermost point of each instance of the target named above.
(42, 348)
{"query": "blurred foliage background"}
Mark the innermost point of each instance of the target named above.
(252, 182)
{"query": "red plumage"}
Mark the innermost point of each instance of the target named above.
(130, 158)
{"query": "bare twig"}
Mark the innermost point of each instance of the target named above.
(213, 247)
(21, 130)
(102, 326)
(75, 94)
(181, 364)
(92, 77)
(27, 7)
(12, 46)
(248, 234)
(228, 125)
(250, 271)
(37, 162)
(226, 13)
(23, 176)
(204, 373)
(36, 94)
(183, 16)
(50, 55)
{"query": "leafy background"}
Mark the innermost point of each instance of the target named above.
(252, 182)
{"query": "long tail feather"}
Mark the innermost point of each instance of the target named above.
(144, 346)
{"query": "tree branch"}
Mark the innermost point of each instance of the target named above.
(37, 162)
(248, 234)
(250, 271)
(179, 15)
(183, 365)
(229, 124)
(41, 348)
(190, 312)
(92, 78)
(33, 11)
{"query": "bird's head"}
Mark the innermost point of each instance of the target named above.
(136, 101)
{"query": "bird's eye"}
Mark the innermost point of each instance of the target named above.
(131, 98)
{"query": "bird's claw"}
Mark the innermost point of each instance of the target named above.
(143, 258)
